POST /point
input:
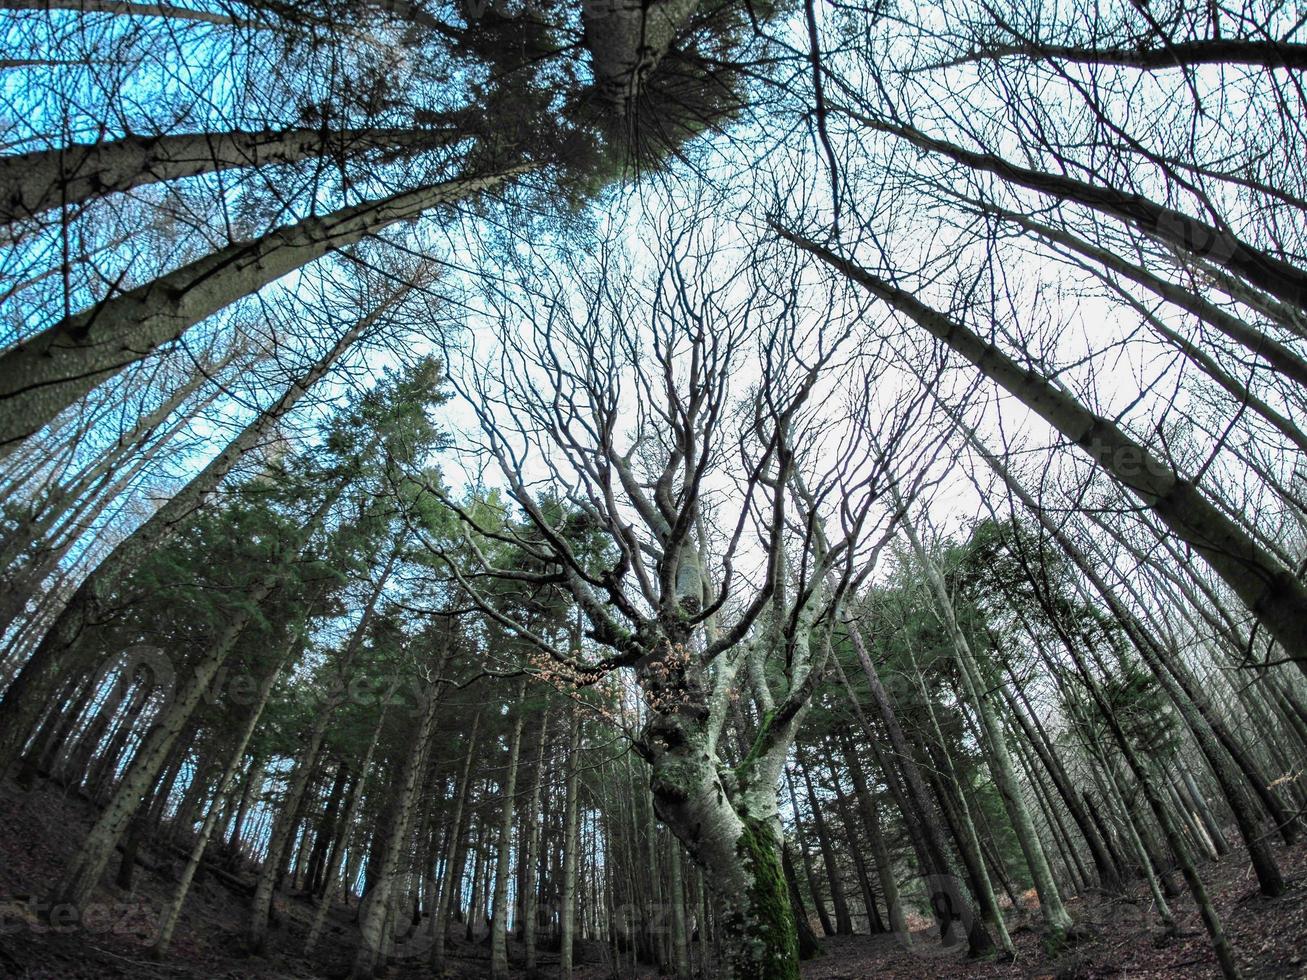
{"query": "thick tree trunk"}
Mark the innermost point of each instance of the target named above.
(49, 371)
(628, 40)
(1269, 590)
(71, 175)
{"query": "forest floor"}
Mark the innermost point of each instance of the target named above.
(39, 828)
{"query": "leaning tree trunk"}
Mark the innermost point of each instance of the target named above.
(380, 897)
(284, 826)
(83, 872)
(128, 8)
(54, 658)
(332, 863)
(283, 829)
(1057, 920)
(70, 175)
(1270, 591)
(947, 898)
(1270, 879)
(164, 937)
(880, 851)
(839, 901)
(48, 372)
(1108, 875)
(1187, 235)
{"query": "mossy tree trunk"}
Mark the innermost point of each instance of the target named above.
(728, 821)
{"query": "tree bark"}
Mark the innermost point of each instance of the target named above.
(943, 886)
(83, 872)
(54, 658)
(1269, 590)
(380, 898)
(171, 914)
(503, 857)
(71, 175)
(455, 857)
(49, 371)
(570, 845)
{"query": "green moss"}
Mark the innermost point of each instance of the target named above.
(769, 947)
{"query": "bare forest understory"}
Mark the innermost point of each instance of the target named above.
(1271, 934)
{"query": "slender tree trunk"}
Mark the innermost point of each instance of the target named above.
(808, 945)
(967, 839)
(283, 828)
(1108, 876)
(871, 823)
(1057, 920)
(530, 887)
(380, 898)
(1211, 921)
(570, 845)
(83, 872)
(56, 656)
(503, 858)
(680, 939)
(943, 887)
(1268, 873)
(173, 911)
(805, 856)
(843, 923)
(454, 864)
(332, 879)
(1204, 811)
